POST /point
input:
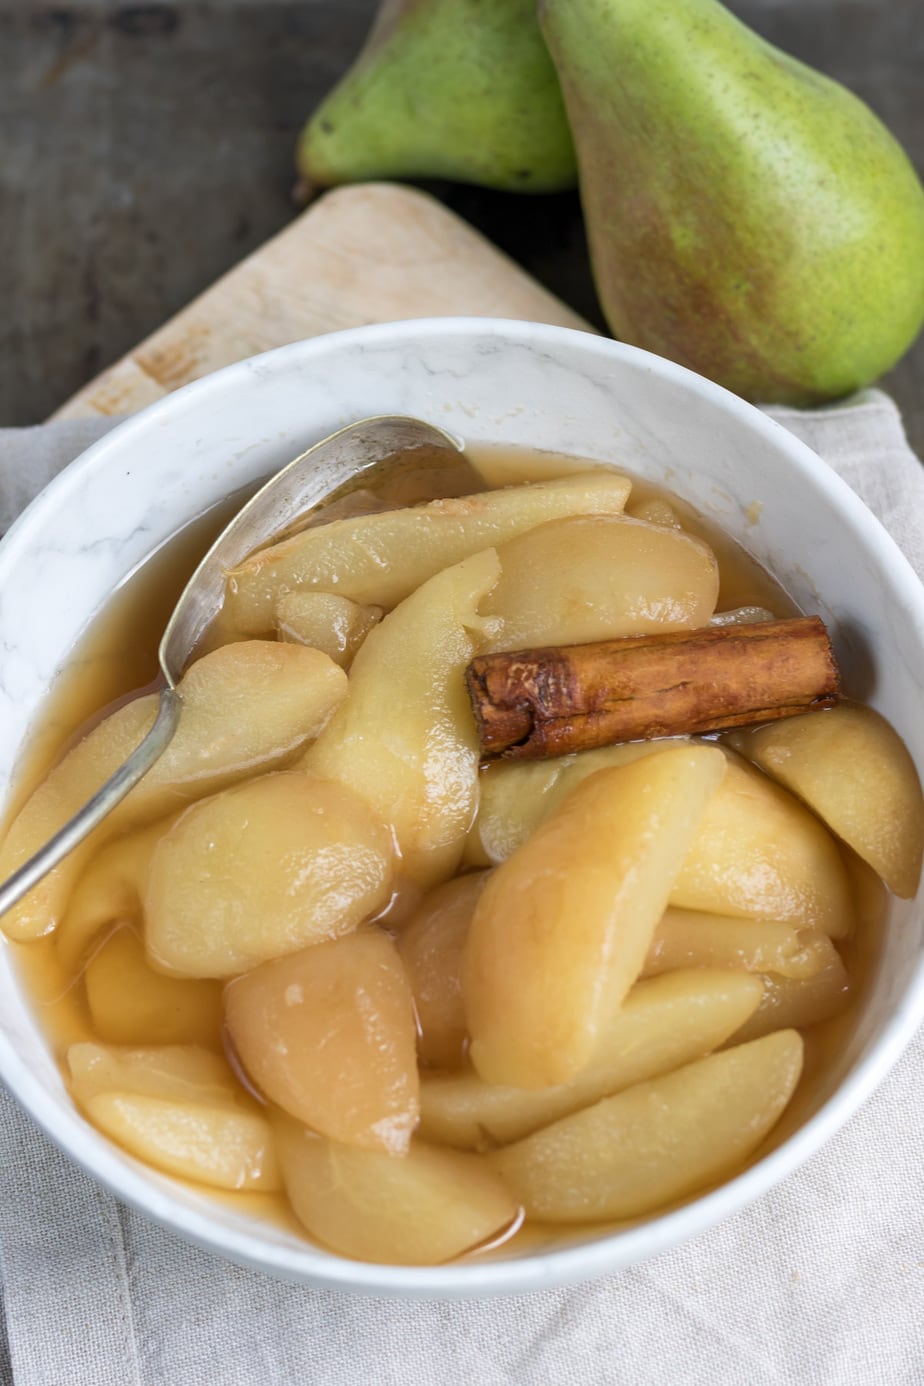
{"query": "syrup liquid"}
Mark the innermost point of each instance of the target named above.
(116, 660)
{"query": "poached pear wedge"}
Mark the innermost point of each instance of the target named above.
(458, 89)
(747, 216)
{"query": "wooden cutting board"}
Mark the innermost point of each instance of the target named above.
(377, 252)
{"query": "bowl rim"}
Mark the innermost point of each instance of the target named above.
(128, 1179)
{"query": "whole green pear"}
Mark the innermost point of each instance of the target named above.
(460, 89)
(747, 216)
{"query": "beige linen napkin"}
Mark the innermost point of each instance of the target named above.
(820, 1283)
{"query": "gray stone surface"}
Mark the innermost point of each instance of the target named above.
(145, 148)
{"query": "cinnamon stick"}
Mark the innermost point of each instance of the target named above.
(532, 704)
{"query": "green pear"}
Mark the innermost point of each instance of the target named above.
(460, 89)
(747, 216)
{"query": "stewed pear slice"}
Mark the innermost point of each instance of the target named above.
(418, 1209)
(596, 577)
(760, 854)
(658, 1141)
(662, 1024)
(563, 927)
(688, 938)
(245, 706)
(179, 1109)
(799, 1002)
(405, 739)
(654, 510)
(431, 947)
(516, 795)
(108, 891)
(328, 1034)
(382, 558)
(130, 1003)
(226, 1148)
(854, 771)
(268, 867)
(186, 1071)
(327, 622)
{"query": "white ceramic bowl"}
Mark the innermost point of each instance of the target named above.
(500, 382)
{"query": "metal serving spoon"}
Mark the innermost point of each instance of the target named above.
(420, 461)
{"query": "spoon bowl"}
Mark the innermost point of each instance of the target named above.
(358, 456)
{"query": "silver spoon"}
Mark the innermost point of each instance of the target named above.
(362, 454)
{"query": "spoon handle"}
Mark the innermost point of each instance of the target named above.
(95, 810)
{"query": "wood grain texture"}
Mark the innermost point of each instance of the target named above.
(378, 252)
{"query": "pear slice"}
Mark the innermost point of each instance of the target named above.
(326, 622)
(563, 927)
(329, 1035)
(268, 867)
(108, 892)
(759, 854)
(224, 1147)
(382, 558)
(405, 739)
(658, 1141)
(662, 1024)
(516, 795)
(853, 770)
(179, 1109)
(596, 577)
(130, 1003)
(245, 707)
(798, 1002)
(418, 1209)
(182, 1071)
(688, 938)
(431, 947)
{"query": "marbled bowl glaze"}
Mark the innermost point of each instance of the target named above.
(498, 382)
